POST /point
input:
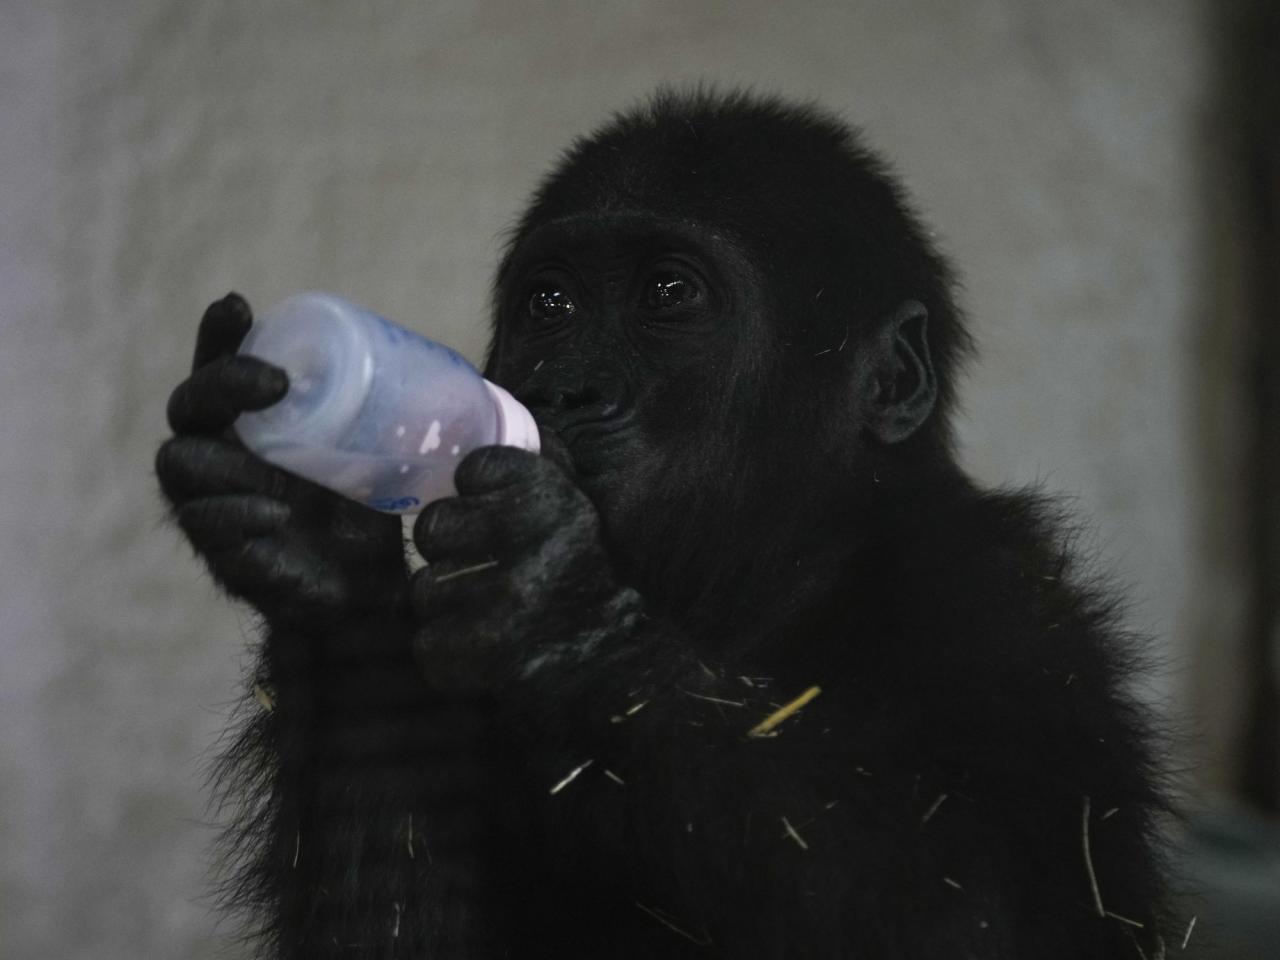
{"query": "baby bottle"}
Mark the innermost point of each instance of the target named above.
(375, 412)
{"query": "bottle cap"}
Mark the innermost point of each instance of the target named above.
(516, 426)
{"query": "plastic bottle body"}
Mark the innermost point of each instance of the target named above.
(374, 411)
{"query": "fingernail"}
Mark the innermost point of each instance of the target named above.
(278, 382)
(238, 306)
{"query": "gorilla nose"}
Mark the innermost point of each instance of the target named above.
(563, 395)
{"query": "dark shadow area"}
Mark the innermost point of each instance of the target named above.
(1257, 86)
(1233, 857)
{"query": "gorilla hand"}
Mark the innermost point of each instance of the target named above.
(294, 550)
(519, 584)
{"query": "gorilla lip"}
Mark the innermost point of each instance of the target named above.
(592, 428)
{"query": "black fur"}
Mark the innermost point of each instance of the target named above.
(541, 744)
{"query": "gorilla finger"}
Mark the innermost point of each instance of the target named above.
(436, 589)
(495, 521)
(458, 528)
(282, 579)
(222, 328)
(208, 466)
(221, 523)
(489, 469)
(212, 397)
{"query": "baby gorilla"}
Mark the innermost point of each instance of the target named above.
(743, 666)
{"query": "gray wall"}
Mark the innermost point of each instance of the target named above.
(155, 154)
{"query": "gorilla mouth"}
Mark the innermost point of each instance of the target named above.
(593, 442)
(590, 427)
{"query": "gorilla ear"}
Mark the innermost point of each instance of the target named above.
(901, 388)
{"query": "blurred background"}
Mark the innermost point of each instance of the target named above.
(1104, 175)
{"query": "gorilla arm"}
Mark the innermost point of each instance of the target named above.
(665, 821)
(346, 781)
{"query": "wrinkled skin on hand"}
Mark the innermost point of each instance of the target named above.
(295, 551)
(518, 585)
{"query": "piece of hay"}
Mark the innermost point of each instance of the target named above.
(264, 696)
(716, 700)
(1187, 937)
(571, 776)
(465, 571)
(631, 711)
(657, 915)
(791, 832)
(1132, 923)
(933, 809)
(787, 710)
(1088, 863)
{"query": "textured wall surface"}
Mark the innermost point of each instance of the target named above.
(155, 154)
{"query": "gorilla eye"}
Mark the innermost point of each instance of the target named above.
(665, 291)
(550, 305)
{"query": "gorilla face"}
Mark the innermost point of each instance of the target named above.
(638, 341)
(686, 394)
(728, 317)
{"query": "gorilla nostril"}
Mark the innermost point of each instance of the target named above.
(589, 395)
(556, 398)
(587, 404)
(543, 393)
(556, 391)
(576, 399)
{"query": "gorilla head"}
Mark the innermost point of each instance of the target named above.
(719, 302)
